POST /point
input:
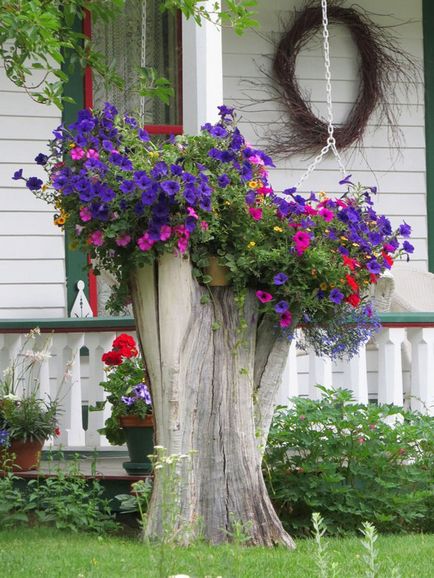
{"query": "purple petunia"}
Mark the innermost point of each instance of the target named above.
(34, 184)
(223, 181)
(405, 229)
(127, 187)
(281, 307)
(218, 131)
(408, 247)
(143, 135)
(18, 175)
(170, 187)
(41, 159)
(373, 266)
(336, 296)
(280, 279)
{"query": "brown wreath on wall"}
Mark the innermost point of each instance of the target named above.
(383, 63)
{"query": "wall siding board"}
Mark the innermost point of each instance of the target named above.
(32, 255)
(397, 168)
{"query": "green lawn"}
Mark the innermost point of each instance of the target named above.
(53, 554)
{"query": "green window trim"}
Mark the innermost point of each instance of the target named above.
(428, 55)
(75, 261)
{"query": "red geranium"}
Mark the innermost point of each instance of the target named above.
(353, 299)
(125, 345)
(112, 358)
(352, 283)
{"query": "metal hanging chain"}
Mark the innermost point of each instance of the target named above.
(331, 141)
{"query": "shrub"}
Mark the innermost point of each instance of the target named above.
(351, 463)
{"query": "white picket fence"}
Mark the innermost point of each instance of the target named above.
(397, 367)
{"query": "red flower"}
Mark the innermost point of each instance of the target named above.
(351, 263)
(125, 345)
(112, 358)
(373, 278)
(57, 431)
(387, 258)
(352, 283)
(353, 299)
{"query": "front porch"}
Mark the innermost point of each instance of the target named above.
(395, 367)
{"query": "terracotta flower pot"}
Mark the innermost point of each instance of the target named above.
(27, 454)
(219, 273)
(139, 434)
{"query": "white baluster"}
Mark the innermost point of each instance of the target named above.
(422, 369)
(356, 376)
(44, 369)
(390, 388)
(320, 373)
(97, 343)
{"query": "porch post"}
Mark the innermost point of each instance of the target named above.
(202, 72)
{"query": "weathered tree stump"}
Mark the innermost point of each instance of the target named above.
(213, 392)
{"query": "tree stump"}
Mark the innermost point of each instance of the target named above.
(213, 392)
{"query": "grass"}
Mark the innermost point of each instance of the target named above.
(42, 552)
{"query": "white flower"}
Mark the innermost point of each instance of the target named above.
(38, 356)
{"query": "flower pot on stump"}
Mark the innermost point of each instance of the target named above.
(139, 434)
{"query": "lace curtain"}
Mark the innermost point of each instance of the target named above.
(142, 36)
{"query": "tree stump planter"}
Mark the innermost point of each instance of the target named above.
(213, 392)
(139, 434)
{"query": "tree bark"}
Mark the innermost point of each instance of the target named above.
(205, 379)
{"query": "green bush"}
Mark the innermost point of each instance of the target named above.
(67, 501)
(351, 463)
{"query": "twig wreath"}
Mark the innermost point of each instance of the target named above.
(382, 63)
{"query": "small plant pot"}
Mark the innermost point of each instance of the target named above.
(139, 435)
(25, 455)
(219, 273)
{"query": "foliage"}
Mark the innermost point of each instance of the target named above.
(38, 38)
(23, 414)
(124, 384)
(71, 502)
(130, 201)
(352, 463)
(66, 501)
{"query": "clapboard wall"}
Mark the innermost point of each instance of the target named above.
(398, 169)
(32, 255)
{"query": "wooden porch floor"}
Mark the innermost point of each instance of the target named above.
(104, 467)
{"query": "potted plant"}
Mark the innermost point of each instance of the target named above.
(131, 418)
(27, 420)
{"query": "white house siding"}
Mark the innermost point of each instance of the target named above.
(32, 255)
(398, 171)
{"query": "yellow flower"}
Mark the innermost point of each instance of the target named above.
(344, 238)
(251, 245)
(59, 221)
(253, 184)
(355, 244)
(278, 229)
(323, 286)
(228, 203)
(153, 154)
(72, 145)
(44, 187)
(322, 196)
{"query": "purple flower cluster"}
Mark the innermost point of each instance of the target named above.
(4, 438)
(139, 393)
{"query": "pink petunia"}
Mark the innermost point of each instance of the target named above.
(123, 240)
(96, 239)
(92, 154)
(145, 242)
(78, 229)
(85, 214)
(326, 214)
(285, 319)
(204, 225)
(263, 296)
(302, 242)
(264, 190)
(184, 236)
(310, 210)
(255, 213)
(256, 160)
(77, 153)
(165, 232)
(192, 212)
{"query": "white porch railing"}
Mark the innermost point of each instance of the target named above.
(396, 367)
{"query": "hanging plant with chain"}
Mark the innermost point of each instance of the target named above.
(383, 64)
